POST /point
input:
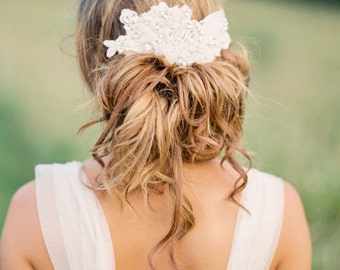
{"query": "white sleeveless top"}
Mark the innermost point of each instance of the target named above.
(77, 235)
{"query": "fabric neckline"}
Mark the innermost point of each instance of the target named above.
(74, 223)
(85, 179)
(238, 218)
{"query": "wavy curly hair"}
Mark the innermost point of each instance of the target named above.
(158, 115)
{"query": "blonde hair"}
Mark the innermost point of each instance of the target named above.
(158, 115)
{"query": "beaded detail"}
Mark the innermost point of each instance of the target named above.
(171, 33)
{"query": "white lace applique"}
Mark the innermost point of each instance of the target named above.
(170, 32)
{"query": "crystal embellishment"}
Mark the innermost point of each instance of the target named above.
(170, 32)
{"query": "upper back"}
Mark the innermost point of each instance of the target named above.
(221, 229)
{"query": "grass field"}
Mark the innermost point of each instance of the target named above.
(293, 122)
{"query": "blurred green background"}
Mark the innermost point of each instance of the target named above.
(293, 122)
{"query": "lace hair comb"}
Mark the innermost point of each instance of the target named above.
(171, 33)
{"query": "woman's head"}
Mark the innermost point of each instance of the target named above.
(158, 115)
(98, 20)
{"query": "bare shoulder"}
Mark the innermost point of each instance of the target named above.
(24, 196)
(21, 236)
(295, 244)
(23, 204)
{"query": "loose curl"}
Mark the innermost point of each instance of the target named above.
(158, 115)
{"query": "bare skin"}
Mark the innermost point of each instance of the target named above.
(207, 246)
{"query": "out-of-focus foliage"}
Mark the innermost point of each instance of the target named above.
(327, 2)
(294, 113)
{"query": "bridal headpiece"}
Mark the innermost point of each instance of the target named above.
(170, 32)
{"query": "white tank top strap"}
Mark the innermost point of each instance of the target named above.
(257, 232)
(72, 220)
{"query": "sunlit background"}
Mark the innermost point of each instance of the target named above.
(293, 122)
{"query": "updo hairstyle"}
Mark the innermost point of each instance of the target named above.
(158, 115)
